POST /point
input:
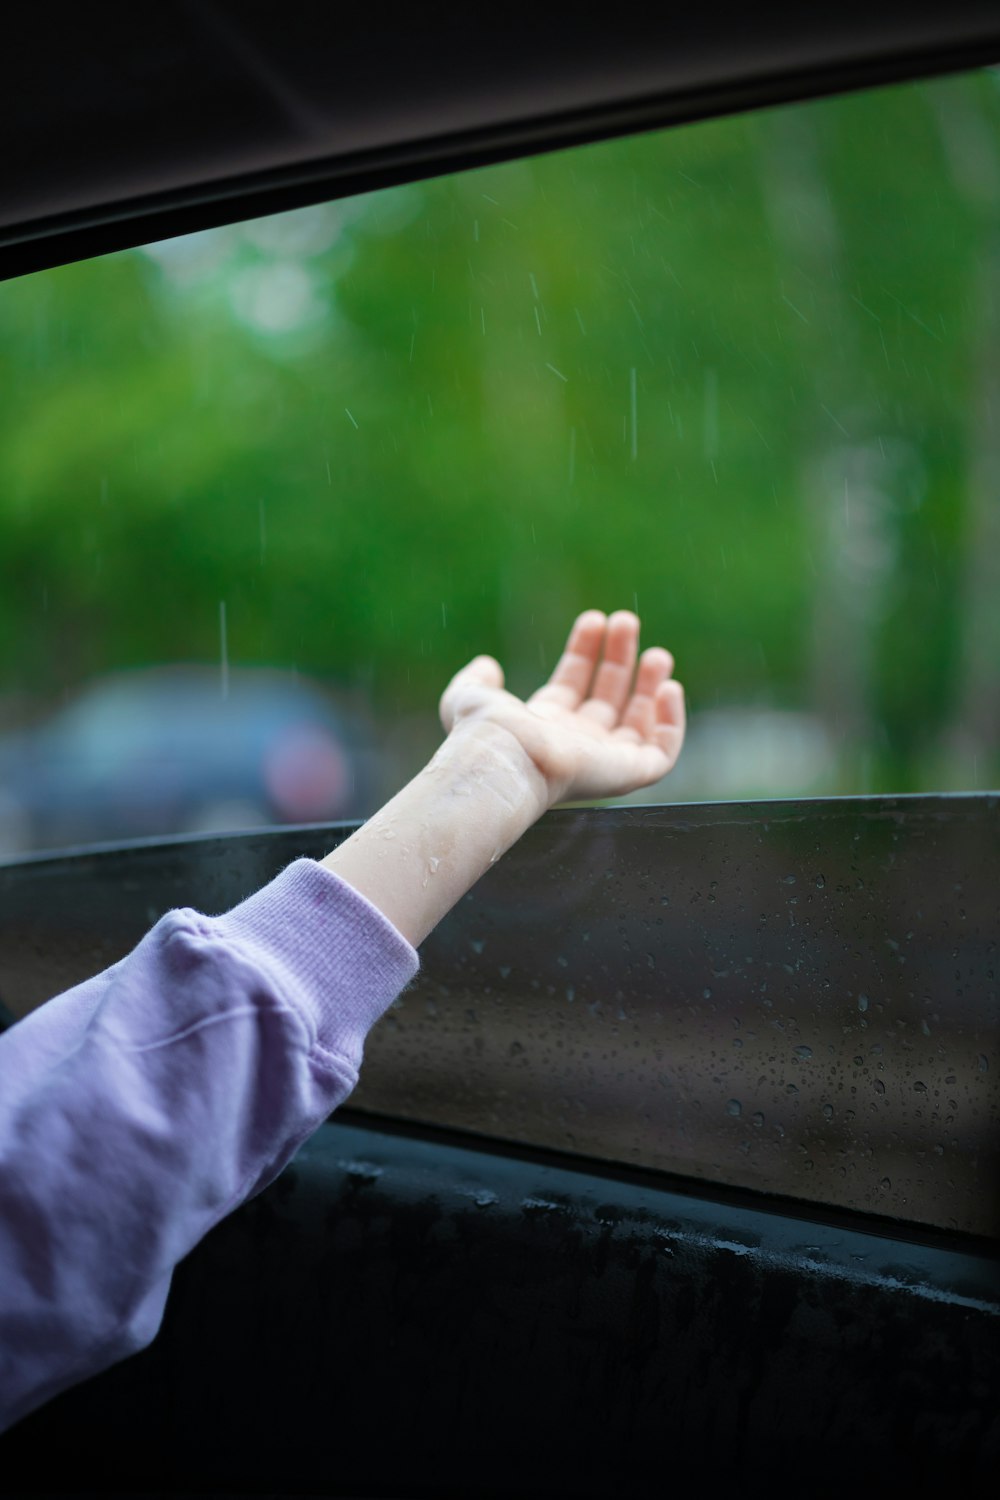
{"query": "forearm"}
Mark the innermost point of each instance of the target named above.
(417, 857)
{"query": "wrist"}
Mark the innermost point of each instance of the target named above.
(482, 753)
(421, 852)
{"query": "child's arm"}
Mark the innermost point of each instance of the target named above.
(140, 1108)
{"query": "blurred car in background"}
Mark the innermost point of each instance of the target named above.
(173, 749)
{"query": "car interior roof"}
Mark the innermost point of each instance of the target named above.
(123, 125)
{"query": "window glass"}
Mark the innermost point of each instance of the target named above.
(262, 489)
(798, 998)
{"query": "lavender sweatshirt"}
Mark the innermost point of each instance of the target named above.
(141, 1107)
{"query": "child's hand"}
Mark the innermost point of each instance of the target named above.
(590, 731)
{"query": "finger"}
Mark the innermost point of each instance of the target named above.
(655, 666)
(668, 731)
(570, 682)
(610, 691)
(481, 671)
(670, 705)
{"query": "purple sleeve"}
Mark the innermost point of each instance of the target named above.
(140, 1108)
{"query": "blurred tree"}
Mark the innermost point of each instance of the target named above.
(972, 145)
(737, 374)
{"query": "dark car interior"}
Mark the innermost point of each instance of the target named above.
(542, 1235)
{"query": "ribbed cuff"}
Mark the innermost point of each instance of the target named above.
(331, 951)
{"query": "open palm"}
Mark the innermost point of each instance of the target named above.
(598, 727)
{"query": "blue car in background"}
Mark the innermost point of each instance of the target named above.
(174, 749)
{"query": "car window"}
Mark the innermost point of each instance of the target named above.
(263, 488)
(740, 375)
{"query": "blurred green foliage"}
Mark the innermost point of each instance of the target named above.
(737, 374)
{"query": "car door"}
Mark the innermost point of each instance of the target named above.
(679, 1156)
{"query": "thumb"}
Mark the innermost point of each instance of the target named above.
(482, 672)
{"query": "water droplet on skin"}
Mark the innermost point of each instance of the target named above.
(820, 882)
(984, 1063)
(885, 1184)
(484, 1198)
(879, 1086)
(789, 880)
(863, 1003)
(919, 1087)
(804, 1053)
(828, 1111)
(734, 1107)
(758, 1119)
(433, 863)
